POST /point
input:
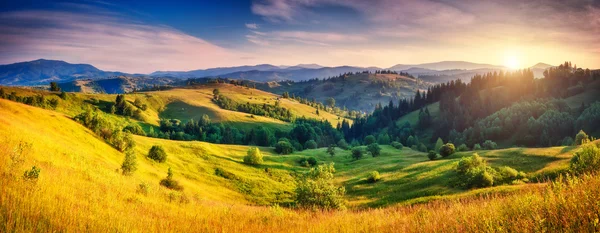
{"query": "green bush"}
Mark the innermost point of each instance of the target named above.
(374, 149)
(586, 160)
(357, 153)
(170, 183)
(310, 144)
(432, 155)
(308, 162)
(422, 147)
(253, 156)
(343, 144)
(581, 138)
(331, 150)
(567, 141)
(477, 147)
(284, 147)
(474, 172)
(374, 177)
(134, 129)
(397, 145)
(489, 145)
(370, 139)
(157, 153)
(32, 174)
(316, 189)
(462, 147)
(129, 165)
(438, 145)
(447, 149)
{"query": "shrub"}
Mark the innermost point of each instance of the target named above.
(462, 147)
(343, 144)
(447, 149)
(284, 147)
(489, 145)
(383, 139)
(374, 177)
(134, 129)
(477, 147)
(253, 156)
(581, 138)
(432, 155)
(567, 141)
(357, 153)
(374, 149)
(585, 160)
(142, 189)
(397, 145)
(474, 172)
(422, 147)
(370, 139)
(438, 144)
(315, 189)
(308, 162)
(310, 144)
(170, 183)
(312, 161)
(129, 165)
(331, 150)
(506, 175)
(32, 174)
(157, 153)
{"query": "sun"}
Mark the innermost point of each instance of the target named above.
(512, 62)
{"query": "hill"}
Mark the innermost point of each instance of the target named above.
(117, 85)
(446, 65)
(80, 171)
(44, 71)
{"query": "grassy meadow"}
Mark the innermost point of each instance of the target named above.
(81, 188)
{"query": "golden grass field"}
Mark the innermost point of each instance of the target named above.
(81, 189)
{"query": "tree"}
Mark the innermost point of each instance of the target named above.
(284, 147)
(253, 156)
(331, 150)
(129, 165)
(316, 189)
(370, 139)
(170, 183)
(54, 86)
(374, 176)
(330, 102)
(447, 149)
(489, 145)
(581, 138)
(343, 144)
(432, 155)
(310, 144)
(374, 149)
(438, 144)
(586, 160)
(157, 153)
(357, 153)
(422, 147)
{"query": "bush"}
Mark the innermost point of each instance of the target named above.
(474, 172)
(253, 156)
(129, 165)
(586, 160)
(370, 139)
(374, 177)
(447, 149)
(507, 174)
(567, 141)
(170, 183)
(308, 162)
(432, 155)
(462, 147)
(142, 189)
(343, 144)
(331, 150)
(134, 129)
(32, 174)
(157, 153)
(315, 189)
(397, 145)
(310, 144)
(383, 139)
(581, 138)
(284, 147)
(374, 149)
(477, 147)
(422, 147)
(357, 153)
(489, 145)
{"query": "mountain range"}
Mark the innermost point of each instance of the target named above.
(41, 72)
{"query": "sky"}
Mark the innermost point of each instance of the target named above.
(147, 36)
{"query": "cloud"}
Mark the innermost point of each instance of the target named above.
(106, 41)
(252, 26)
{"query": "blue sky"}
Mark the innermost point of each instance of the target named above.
(141, 37)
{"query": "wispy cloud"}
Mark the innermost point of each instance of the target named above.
(106, 41)
(252, 26)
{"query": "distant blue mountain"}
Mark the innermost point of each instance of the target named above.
(44, 71)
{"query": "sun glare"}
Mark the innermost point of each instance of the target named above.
(512, 62)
